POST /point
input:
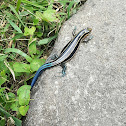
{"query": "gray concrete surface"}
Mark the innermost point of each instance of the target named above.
(93, 93)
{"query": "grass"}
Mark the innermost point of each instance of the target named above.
(28, 30)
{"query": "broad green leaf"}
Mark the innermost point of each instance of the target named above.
(36, 64)
(26, 31)
(22, 88)
(24, 98)
(7, 106)
(11, 95)
(2, 57)
(39, 27)
(13, 9)
(35, 21)
(29, 31)
(2, 80)
(1, 90)
(23, 110)
(2, 122)
(2, 73)
(15, 106)
(24, 94)
(39, 53)
(32, 30)
(49, 15)
(16, 73)
(39, 34)
(32, 48)
(21, 67)
(3, 77)
(17, 121)
(28, 58)
(38, 15)
(3, 67)
(46, 40)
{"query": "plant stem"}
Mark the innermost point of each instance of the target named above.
(18, 5)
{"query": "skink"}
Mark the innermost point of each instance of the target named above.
(66, 54)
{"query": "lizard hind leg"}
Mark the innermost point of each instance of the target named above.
(63, 69)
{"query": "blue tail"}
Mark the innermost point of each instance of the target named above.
(39, 72)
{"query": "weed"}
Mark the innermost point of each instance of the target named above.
(27, 31)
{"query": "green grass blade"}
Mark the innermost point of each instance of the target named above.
(17, 36)
(28, 58)
(14, 26)
(47, 40)
(13, 9)
(69, 7)
(17, 121)
(18, 5)
(33, 4)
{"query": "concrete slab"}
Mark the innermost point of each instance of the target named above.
(93, 93)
